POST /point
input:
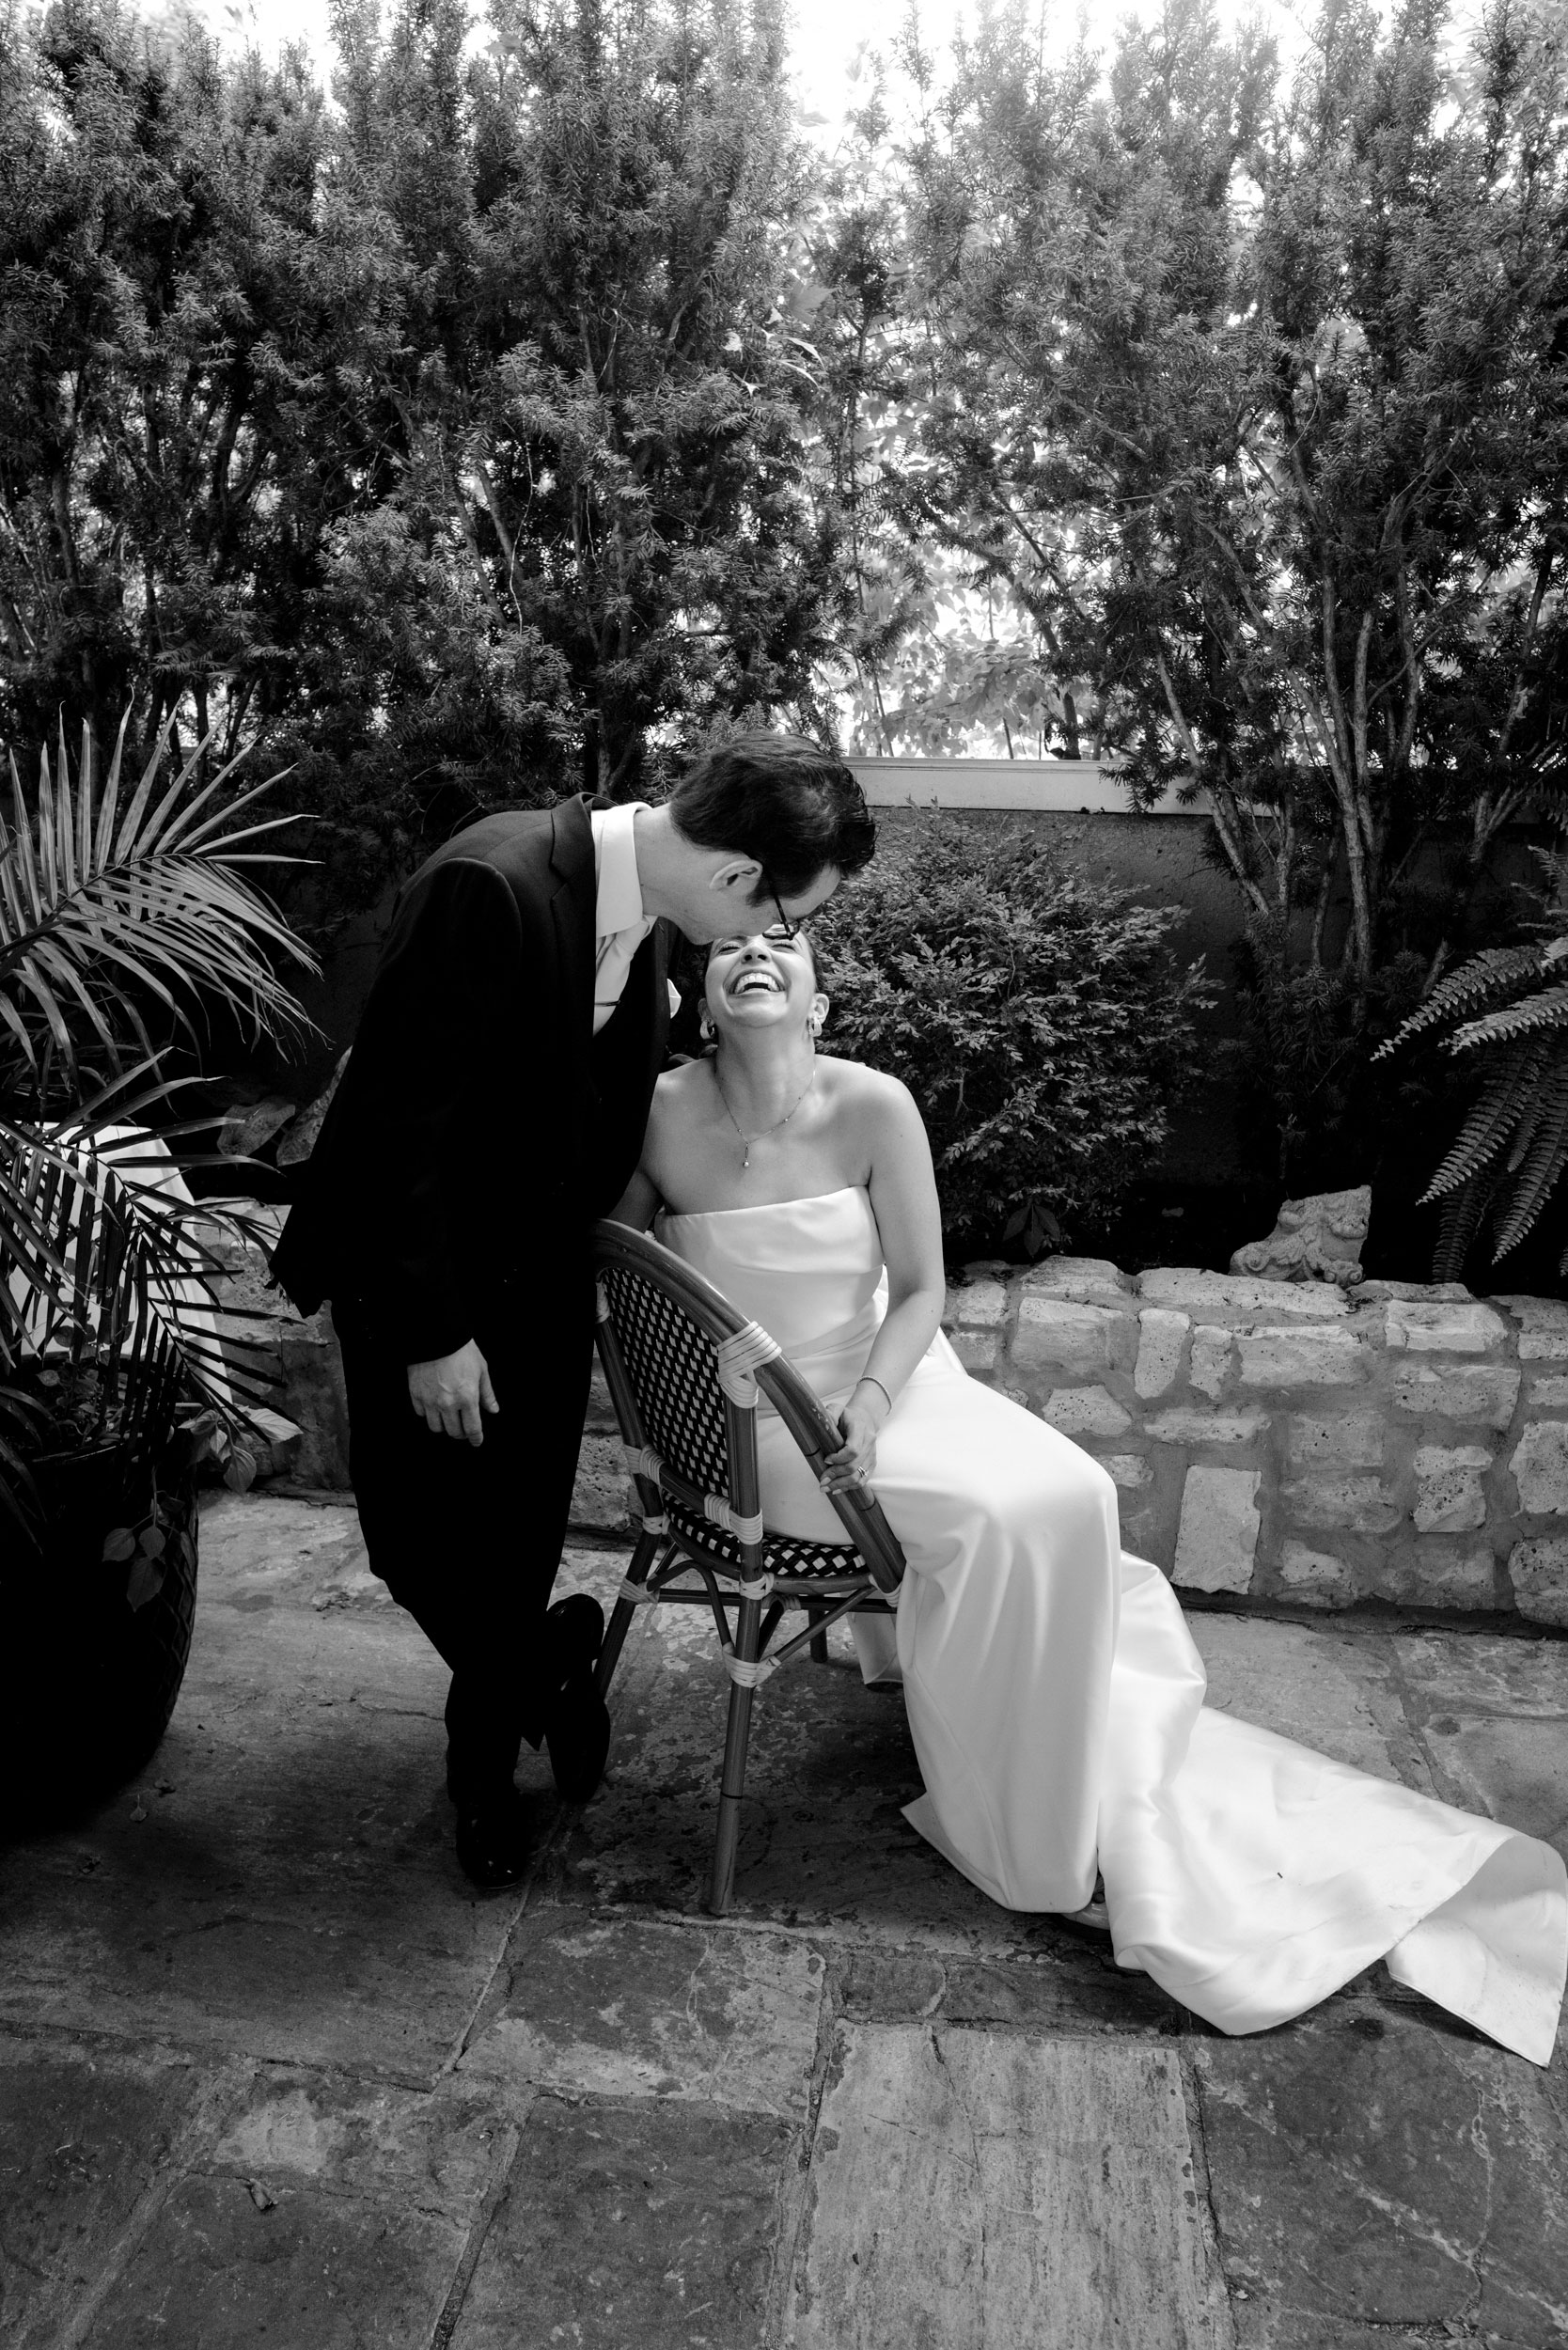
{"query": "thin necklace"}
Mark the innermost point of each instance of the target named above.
(748, 1139)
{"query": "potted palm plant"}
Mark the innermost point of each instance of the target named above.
(126, 920)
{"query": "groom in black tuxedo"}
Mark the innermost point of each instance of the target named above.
(492, 1109)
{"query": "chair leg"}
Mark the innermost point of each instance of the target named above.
(621, 1617)
(732, 1781)
(819, 1639)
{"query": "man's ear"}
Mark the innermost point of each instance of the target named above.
(736, 873)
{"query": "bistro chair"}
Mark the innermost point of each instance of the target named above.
(684, 1368)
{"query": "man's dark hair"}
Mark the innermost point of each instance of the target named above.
(782, 799)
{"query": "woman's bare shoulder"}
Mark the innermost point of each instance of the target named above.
(873, 1091)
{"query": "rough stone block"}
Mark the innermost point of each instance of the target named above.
(1421, 1292)
(1317, 1578)
(1193, 1290)
(1210, 1360)
(1537, 1571)
(1081, 1280)
(976, 1349)
(1436, 1328)
(1086, 1412)
(1540, 1465)
(1191, 1424)
(1053, 1330)
(1362, 1504)
(981, 1302)
(1537, 1313)
(1544, 1346)
(1130, 1469)
(1485, 1394)
(1433, 1571)
(313, 1396)
(1161, 1336)
(1549, 1393)
(1300, 1358)
(1450, 1497)
(1334, 1440)
(1217, 1539)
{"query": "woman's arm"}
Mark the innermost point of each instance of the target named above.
(903, 1198)
(638, 1203)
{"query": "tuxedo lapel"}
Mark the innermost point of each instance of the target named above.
(571, 911)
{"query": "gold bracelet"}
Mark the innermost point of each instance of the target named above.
(865, 1380)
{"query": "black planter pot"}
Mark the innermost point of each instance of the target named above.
(95, 1648)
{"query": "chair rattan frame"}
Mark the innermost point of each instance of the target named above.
(660, 1326)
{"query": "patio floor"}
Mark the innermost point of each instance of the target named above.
(271, 2070)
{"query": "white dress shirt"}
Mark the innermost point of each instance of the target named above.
(620, 924)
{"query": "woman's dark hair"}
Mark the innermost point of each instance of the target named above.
(782, 799)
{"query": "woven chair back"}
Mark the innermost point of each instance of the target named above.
(672, 1334)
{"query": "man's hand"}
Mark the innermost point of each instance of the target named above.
(449, 1394)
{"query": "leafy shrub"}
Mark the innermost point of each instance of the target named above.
(1041, 1020)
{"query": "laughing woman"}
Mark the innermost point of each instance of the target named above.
(1055, 1697)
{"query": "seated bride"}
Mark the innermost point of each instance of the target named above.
(1055, 1697)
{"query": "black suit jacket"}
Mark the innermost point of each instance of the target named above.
(479, 1126)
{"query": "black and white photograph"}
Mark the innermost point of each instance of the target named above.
(783, 1174)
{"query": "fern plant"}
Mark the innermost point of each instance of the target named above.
(118, 906)
(1510, 1003)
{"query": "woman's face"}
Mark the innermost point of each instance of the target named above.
(765, 979)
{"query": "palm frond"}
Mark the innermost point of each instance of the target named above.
(97, 916)
(110, 1266)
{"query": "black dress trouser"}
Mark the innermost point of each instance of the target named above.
(468, 1537)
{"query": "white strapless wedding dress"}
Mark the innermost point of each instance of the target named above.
(1055, 1699)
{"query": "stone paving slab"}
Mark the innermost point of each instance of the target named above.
(647, 2226)
(315, 2270)
(83, 2132)
(626, 2008)
(281, 1880)
(1387, 2171)
(978, 2191)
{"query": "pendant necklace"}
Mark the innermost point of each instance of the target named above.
(748, 1139)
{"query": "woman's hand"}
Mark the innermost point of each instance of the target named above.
(859, 1424)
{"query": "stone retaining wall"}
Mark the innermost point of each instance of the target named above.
(1294, 1442)
(1273, 1440)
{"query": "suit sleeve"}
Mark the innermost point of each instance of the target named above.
(455, 965)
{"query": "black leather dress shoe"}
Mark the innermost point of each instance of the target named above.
(574, 1630)
(493, 1840)
(577, 1720)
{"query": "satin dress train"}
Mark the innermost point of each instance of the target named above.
(1055, 1699)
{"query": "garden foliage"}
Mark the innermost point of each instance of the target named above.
(449, 446)
(1042, 1021)
(1505, 1011)
(1245, 401)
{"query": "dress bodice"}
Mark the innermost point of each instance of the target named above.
(809, 1270)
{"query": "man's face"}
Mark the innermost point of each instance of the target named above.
(746, 904)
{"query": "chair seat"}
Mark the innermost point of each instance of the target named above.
(790, 1555)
